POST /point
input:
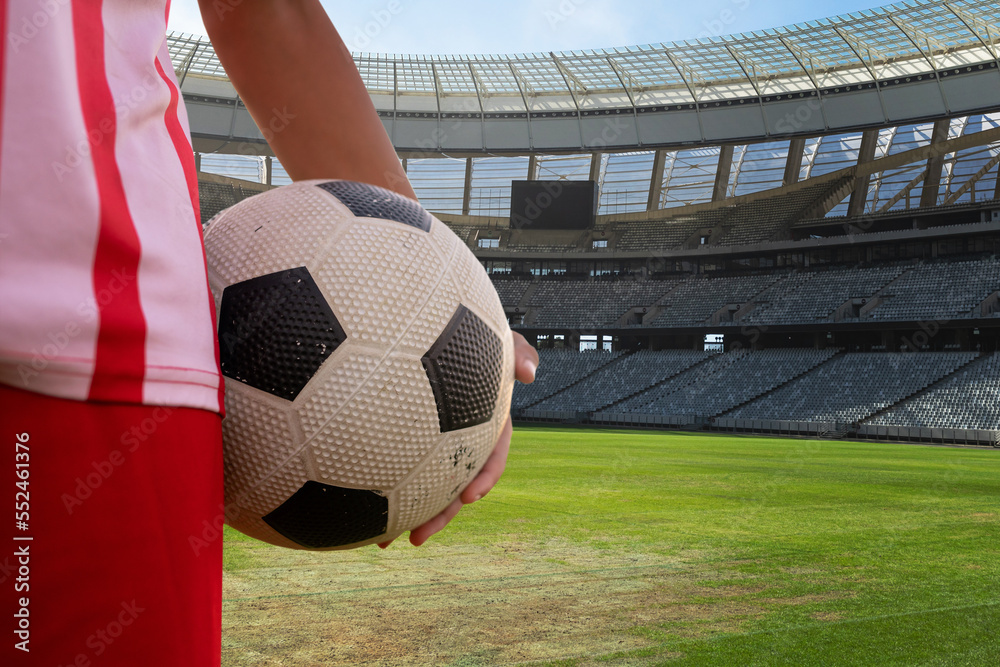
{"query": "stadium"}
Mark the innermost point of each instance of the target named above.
(786, 233)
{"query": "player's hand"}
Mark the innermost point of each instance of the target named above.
(525, 364)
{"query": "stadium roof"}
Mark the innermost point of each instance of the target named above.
(669, 125)
(905, 39)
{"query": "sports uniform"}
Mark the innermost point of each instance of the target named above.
(108, 360)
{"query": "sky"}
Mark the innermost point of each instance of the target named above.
(527, 26)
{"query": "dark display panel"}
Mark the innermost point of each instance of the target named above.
(553, 204)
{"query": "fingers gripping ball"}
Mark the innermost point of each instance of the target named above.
(367, 360)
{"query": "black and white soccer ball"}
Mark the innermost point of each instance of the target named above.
(367, 360)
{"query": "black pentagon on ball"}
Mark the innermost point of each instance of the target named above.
(275, 331)
(370, 201)
(320, 516)
(464, 367)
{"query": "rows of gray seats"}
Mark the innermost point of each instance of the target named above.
(656, 234)
(549, 247)
(215, 197)
(463, 231)
(941, 290)
(557, 370)
(673, 232)
(697, 299)
(768, 219)
(969, 400)
(510, 290)
(852, 387)
(647, 401)
(738, 377)
(944, 290)
(786, 284)
(626, 376)
(588, 305)
(820, 294)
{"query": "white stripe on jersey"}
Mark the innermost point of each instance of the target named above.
(50, 212)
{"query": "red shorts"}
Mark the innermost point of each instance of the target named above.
(110, 534)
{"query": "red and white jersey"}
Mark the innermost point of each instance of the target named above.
(103, 287)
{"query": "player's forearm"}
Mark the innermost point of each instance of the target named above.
(299, 82)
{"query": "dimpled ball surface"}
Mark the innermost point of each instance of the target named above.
(367, 360)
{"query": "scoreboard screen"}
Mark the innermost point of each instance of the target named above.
(553, 204)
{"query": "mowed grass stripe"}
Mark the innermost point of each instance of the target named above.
(714, 550)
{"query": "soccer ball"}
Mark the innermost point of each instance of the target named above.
(367, 360)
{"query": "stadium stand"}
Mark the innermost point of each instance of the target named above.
(970, 399)
(215, 197)
(656, 399)
(904, 291)
(557, 370)
(766, 220)
(587, 305)
(511, 290)
(463, 232)
(216, 193)
(852, 387)
(939, 291)
(625, 377)
(698, 298)
(872, 227)
(815, 296)
(553, 247)
(734, 379)
(667, 233)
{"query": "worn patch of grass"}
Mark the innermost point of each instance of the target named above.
(651, 548)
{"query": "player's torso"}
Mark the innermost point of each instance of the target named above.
(103, 294)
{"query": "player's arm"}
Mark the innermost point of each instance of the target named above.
(300, 84)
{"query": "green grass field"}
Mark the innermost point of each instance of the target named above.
(609, 547)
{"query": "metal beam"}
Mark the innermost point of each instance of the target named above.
(568, 74)
(656, 180)
(595, 166)
(467, 192)
(957, 145)
(749, 68)
(625, 76)
(996, 189)
(975, 24)
(793, 165)
(858, 47)
(268, 170)
(904, 192)
(186, 66)
(721, 189)
(915, 34)
(969, 184)
(932, 185)
(802, 57)
(689, 77)
(859, 195)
